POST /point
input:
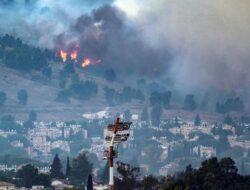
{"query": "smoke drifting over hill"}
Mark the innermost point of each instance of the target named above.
(197, 43)
(211, 39)
(97, 30)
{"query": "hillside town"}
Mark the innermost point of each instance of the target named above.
(174, 139)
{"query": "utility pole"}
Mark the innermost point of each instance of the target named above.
(116, 133)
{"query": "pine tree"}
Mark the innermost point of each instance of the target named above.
(228, 120)
(105, 173)
(90, 183)
(197, 120)
(56, 168)
(81, 167)
(68, 168)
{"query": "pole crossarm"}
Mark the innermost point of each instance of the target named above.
(119, 132)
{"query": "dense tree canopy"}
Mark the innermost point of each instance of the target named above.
(189, 102)
(80, 169)
(22, 57)
(213, 174)
(156, 113)
(22, 96)
(197, 120)
(231, 104)
(56, 168)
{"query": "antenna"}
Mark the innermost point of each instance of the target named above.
(115, 134)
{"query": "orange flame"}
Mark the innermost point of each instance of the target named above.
(74, 55)
(63, 55)
(86, 62)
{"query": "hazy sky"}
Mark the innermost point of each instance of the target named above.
(197, 43)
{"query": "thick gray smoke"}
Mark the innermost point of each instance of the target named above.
(211, 40)
(96, 29)
(200, 44)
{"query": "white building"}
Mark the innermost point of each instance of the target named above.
(6, 186)
(204, 151)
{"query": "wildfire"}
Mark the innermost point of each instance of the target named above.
(74, 55)
(86, 62)
(63, 55)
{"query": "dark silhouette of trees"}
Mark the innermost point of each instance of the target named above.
(56, 168)
(43, 179)
(156, 113)
(197, 120)
(83, 89)
(110, 95)
(68, 168)
(110, 75)
(32, 116)
(129, 93)
(104, 175)
(22, 96)
(231, 104)
(23, 57)
(90, 183)
(212, 174)
(160, 99)
(128, 175)
(228, 120)
(149, 183)
(155, 99)
(29, 176)
(2, 98)
(126, 95)
(189, 102)
(80, 169)
(166, 97)
(29, 124)
(63, 96)
(69, 69)
(8, 122)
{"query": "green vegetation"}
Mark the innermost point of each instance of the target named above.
(231, 104)
(22, 96)
(68, 168)
(127, 94)
(22, 57)
(29, 176)
(80, 169)
(8, 123)
(156, 113)
(160, 99)
(189, 103)
(197, 120)
(56, 168)
(90, 183)
(110, 75)
(212, 174)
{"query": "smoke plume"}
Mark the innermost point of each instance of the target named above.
(200, 44)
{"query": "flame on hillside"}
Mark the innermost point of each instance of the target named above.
(86, 62)
(63, 55)
(74, 56)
